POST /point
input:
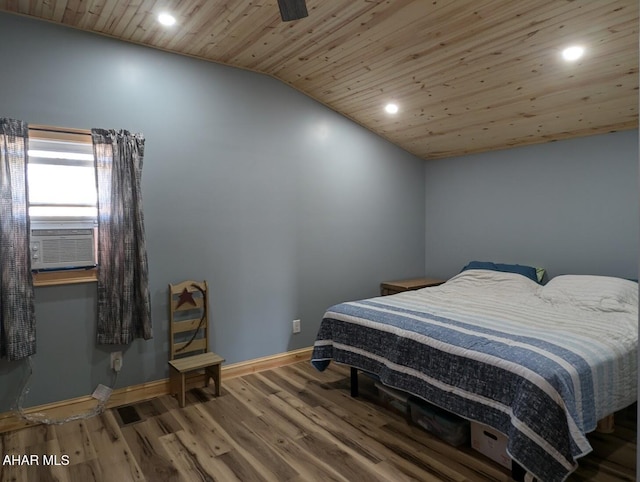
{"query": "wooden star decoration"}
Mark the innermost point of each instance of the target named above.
(185, 297)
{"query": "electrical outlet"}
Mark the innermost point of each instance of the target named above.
(296, 326)
(116, 360)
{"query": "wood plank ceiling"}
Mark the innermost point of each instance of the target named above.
(468, 75)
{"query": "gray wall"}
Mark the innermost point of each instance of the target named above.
(284, 206)
(569, 206)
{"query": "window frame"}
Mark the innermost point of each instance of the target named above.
(63, 276)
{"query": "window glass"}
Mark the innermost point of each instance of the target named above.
(61, 178)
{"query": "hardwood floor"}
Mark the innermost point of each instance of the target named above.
(287, 424)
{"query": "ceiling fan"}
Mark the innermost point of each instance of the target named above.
(292, 9)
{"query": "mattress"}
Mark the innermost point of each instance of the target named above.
(540, 364)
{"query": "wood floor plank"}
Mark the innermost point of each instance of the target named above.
(144, 442)
(257, 453)
(305, 464)
(46, 470)
(246, 394)
(194, 465)
(242, 391)
(336, 399)
(36, 434)
(110, 444)
(89, 471)
(288, 424)
(228, 408)
(262, 384)
(292, 382)
(333, 372)
(243, 470)
(469, 468)
(343, 461)
(74, 441)
(347, 458)
(167, 423)
(199, 425)
(343, 433)
(12, 447)
(465, 460)
(394, 472)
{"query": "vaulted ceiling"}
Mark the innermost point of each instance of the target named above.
(467, 75)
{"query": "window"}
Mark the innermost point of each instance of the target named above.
(62, 205)
(61, 176)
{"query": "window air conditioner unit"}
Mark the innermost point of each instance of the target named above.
(62, 245)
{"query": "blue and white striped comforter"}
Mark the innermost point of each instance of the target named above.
(539, 364)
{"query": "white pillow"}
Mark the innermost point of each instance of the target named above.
(602, 293)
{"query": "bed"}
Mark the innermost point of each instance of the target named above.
(539, 363)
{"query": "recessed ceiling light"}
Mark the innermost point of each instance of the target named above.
(572, 53)
(166, 19)
(391, 108)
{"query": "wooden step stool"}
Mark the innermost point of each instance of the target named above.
(212, 364)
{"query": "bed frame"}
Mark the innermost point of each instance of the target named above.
(518, 473)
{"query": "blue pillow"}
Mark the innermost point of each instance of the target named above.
(527, 271)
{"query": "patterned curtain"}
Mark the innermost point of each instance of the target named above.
(17, 313)
(124, 306)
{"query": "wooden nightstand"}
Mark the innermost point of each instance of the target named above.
(393, 287)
